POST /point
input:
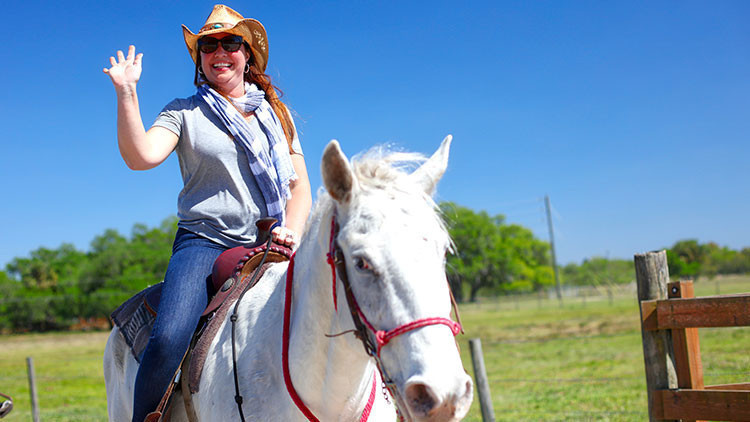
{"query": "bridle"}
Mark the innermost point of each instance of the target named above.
(364, 330)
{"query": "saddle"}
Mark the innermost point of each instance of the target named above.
(232, 272)
(231, 267)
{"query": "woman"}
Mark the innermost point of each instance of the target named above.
(240, 160)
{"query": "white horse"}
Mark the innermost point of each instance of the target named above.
(393, 244)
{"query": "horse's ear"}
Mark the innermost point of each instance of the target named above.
(338, 178)
(429, 173)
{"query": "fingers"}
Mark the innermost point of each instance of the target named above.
(284, 236)
(123, 61)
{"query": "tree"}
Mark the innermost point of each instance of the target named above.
(685, 258)
(48, 268)
(52, 288)
(493, 256)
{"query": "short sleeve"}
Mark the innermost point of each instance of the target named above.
(171, 117)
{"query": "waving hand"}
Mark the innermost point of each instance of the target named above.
(125, 71)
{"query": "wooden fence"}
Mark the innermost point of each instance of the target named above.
(670, 318)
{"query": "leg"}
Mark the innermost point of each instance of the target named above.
(183, 298)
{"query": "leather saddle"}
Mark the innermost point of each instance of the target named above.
(231, 275)
(233, 267)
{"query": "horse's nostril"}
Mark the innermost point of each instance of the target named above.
(420, 399)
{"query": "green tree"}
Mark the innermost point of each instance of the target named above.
(47, 268)
(52, 288)
(493, 256)
(8, 288)
(685, 258)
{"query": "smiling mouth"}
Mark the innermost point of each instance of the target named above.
(222, 66)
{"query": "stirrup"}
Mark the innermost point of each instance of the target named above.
(6, 406)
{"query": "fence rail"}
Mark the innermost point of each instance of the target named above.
(670, 318)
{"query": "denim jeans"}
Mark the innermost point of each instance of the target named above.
(184, 296)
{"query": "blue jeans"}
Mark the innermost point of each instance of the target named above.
(184, 296)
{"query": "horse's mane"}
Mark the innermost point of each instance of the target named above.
(382, 169)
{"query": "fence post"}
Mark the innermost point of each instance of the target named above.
(652, 276)
(32, 389)
(483, 386)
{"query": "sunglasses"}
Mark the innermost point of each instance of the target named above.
(230, 44)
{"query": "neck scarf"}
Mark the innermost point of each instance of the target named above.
(272, 168)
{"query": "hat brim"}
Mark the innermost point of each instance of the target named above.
(251, 32)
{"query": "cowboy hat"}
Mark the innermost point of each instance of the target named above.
(225, 20)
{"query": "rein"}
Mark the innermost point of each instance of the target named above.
(285, 356)
(237, 396)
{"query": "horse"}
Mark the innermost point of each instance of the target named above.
(300, 352)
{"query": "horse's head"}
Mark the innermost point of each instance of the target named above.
(393, 243)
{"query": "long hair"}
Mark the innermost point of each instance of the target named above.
(263, 82)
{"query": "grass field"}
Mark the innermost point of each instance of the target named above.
(577, 362)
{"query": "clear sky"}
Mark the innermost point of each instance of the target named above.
(632, 116)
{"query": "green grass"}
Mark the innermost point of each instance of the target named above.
(577, 362)
(69, 378)
(583, 360)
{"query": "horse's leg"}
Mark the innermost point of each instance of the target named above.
(120, 368)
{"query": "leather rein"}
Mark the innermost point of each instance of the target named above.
(363, 328)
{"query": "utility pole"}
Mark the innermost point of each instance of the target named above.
(552, 247)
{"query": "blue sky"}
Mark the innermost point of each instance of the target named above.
(631, 116)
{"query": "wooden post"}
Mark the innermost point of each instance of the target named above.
(480, 375)
(652, 276)
(32, 389)
(686, 345)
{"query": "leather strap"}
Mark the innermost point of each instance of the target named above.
(238, 397)
(187, 397)
(159, 415)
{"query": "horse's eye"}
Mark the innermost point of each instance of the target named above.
(362, 264)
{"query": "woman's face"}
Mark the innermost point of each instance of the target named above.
(224, 70)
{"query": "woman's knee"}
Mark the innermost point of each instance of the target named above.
(166, 344)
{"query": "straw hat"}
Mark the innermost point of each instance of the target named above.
(223, 19)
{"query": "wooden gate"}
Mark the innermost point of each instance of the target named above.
(670, 318)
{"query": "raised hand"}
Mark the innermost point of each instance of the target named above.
(125, 71)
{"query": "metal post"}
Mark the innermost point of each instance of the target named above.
(480, 375)
(32, 389)
(552, 247)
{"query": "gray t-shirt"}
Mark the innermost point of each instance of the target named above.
(220, 199)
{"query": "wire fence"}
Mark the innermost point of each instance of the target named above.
(583, 295)
(584, 376)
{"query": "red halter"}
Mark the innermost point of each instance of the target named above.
(336, 261)
(381, 337)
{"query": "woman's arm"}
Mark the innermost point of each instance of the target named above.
(141, 150)
(297, 207)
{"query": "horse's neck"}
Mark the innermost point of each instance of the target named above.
(331, 374)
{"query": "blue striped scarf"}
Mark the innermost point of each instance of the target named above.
(272, 168)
